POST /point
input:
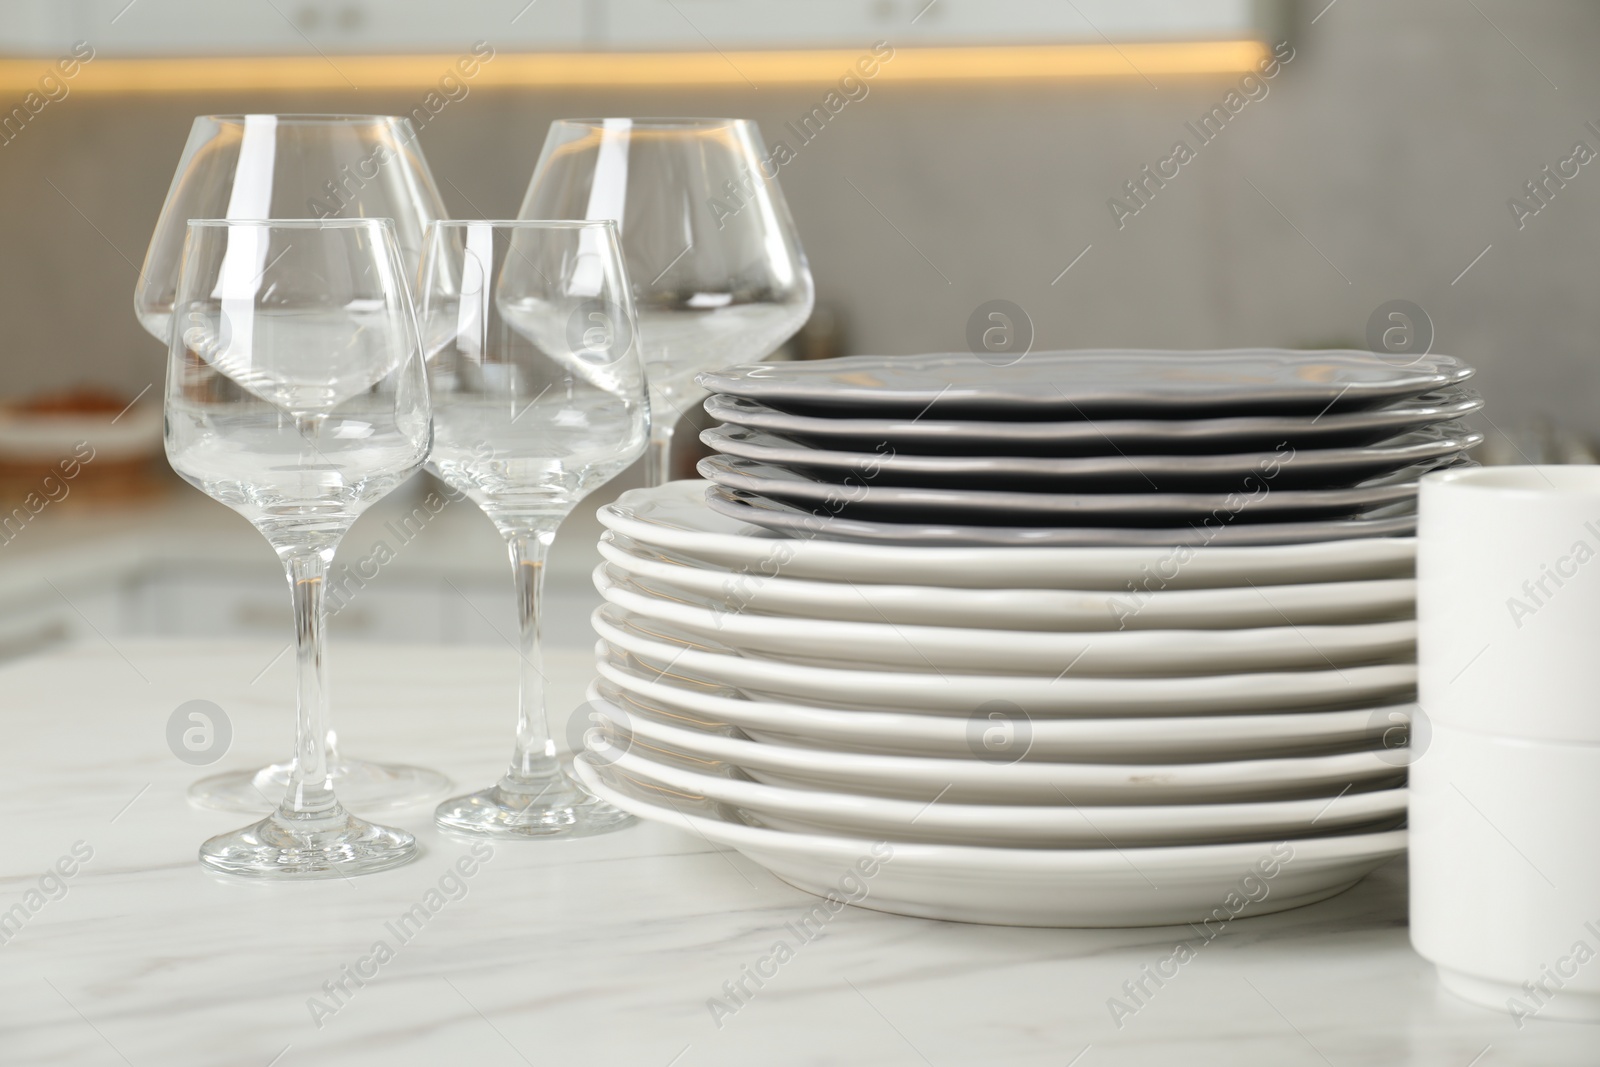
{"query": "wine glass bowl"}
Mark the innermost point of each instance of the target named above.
(258, 306)
(718, 274)
(288, 167)
(539, 398)
(249, 421)
(538, 387)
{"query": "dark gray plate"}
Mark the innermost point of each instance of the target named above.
(1100, 436)
(1092, 382)
(868, 499)
(1290, 468)
(792, 521)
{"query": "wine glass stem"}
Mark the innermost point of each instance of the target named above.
(534, 760)
(658, 456)
(309, 426)
(310, 792)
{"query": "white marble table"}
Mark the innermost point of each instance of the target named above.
(603, 951)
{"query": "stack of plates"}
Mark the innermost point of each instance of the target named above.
(1086, 448)
(1127, 734)
(1112, 638)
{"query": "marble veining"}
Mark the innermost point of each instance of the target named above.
(602, 951)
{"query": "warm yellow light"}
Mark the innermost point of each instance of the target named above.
(603, 69)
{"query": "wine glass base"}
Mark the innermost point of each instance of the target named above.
(360, 785)
(337, 846)
(558, 807)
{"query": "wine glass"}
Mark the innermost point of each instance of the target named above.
(718, 273)
(539, 398)
(295, 167)
(296, 395)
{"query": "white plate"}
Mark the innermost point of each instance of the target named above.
(675, 517)
(1018, 826)
(1029, 886)
(964, 694)
(678, 695)
(878, 645)
(976, 781)
(1321, 603)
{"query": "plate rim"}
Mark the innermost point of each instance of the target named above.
(636, 514)
(1210, 464)
(1380, 803)
(811, 384)
(1156, 504)
(1319, 531)
(1118, 429)
(614, 545)
(911, 680)
(1064, 725)
(1385, 633)
(1364, 765)
(1000, 859)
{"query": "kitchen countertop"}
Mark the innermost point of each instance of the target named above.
(598, 951)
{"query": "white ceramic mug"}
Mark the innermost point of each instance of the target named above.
(1508, 601)
(1505, 873)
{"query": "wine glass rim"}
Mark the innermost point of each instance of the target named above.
(302, 118)
(299, 224)
(658, 122)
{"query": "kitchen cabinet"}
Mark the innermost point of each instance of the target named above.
(148, 28)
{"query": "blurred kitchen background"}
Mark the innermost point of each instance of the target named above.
(1385, 160)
